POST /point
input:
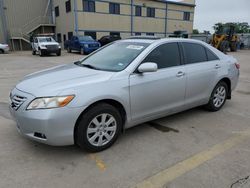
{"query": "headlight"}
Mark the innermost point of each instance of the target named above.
(50, 102)
(43, 46)
(86, 45)
(59, 46)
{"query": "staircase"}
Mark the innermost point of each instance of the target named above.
(23, 34)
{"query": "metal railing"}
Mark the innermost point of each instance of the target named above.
(26, 29)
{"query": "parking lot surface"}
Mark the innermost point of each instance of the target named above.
(192, 149)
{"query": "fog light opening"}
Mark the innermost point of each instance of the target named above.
(40, 135)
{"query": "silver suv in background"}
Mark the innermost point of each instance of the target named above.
(126, 83)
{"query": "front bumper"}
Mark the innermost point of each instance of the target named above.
(49, 126)
(51, 50)
(89, 50)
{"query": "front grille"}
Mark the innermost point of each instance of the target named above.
(52, 47)
(17, 101)
(93, 45)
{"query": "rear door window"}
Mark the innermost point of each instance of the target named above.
(194, 53)
(165, 55)
(211, 56)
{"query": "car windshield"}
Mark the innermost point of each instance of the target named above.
(85, 38)
(46, 39)
(115, 57)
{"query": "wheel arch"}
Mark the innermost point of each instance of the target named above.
(228, 82)
(112, 102)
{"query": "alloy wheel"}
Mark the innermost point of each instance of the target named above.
(219, 96)
(101, 129)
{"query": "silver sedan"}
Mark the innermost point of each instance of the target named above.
(4, 48)
(91, 101)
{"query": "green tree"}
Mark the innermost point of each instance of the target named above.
(239, 27)
(196, 31)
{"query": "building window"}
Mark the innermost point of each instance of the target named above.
(137, 34)
(90, 33)
(70, 35)
(186, 16)
(64, 38)
(114, 8)
(68, 6)
(150, 12)
(115, 34)
(57, 11)
(137, 11)
(150, 34)
(59, 37)
(89, 5)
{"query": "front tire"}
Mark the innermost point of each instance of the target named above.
(82, 51)
(41, 53)
(58, 53)
(98, 128)
(218, 97)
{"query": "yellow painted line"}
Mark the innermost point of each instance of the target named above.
(169, 174)
(98, 161)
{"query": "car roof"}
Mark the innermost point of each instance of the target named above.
(151, 41)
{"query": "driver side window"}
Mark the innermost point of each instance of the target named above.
(165, 55)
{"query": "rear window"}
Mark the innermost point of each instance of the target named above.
(211, 56)
(194, 53)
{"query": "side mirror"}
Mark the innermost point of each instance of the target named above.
(148, 67)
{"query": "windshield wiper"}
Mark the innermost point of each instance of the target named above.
(89, 66)
(86, 65)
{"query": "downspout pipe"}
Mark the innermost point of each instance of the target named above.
(76, 17)
(166, 20)
(132, 17)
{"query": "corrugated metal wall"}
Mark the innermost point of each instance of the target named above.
(21, 12)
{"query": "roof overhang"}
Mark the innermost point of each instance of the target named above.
(176, 3)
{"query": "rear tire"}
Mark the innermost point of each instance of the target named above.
(218, 97)
(33, 52)
(1, 51)
(224, 46)
(98, 128)
(68, 50)
(233, 47)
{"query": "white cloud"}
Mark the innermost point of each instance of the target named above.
(207, 13)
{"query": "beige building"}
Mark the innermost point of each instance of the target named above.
(123, 17)
(20, 18)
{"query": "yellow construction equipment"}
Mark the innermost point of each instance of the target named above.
(225, 38)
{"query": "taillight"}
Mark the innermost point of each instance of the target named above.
(237, 65)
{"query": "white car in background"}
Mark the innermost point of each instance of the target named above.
(45, 45)
(4, 48)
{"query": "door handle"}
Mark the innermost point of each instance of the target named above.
(217, 66)
(180, 74)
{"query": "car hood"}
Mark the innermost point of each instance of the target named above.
(89, 42)
(49, 43)
(55, 80)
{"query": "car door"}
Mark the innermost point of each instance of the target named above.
(201, 73)
(76, 43)
(157, 93)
